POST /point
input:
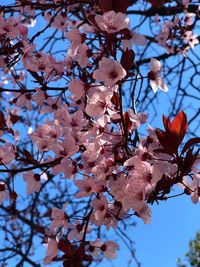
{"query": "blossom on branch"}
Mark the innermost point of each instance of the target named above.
(109, 71)
(112, 22)
(154, 76)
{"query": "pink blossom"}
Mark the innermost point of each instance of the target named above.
(186, 3)
(109, 249)
(100, 205)
(98, 101)
(46, 135)
(4, 194)
(33, 182)
(77, 121)
(12, 27)
(136, 119)
(92, 151)
(77, 87)
(23, 100)
(77, 230)
(39, 96)
(64, 167)
(193, 188)
(103, 168)
(79, 55)
(137, 39)
(61, 21)
(145, 214)
(67, 148)
(154, 76)
(191, 38)
(59, 219)
(110, 72)
(52, 251)
(75, 37)
(189, 18)
(112, 22)
(7, 154)
(86, 187)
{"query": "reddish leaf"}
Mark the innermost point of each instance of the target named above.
(178, 126)
(106, 5)
(190, 143)
(65, 246)
(155, 3)
(175, 131)
(93, 21)
(13, 195)
(158, 3)
(188, 162)
(169, 146)
(116, 5)
(14, 118)
(126, 34)
(166, 122)
(2, 120)
(127, 121)
(116, 99)
(127, 59)
(120, 5)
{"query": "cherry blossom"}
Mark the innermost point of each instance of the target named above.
(98, 101)
(110, 72)
(51, 252)
(112, 22)
(137, 39)
(64, 167)
(12, 27)
(77, 87)
(109, 249)
(191, 38)
(77, 231)
(4, 194)
(86, 187)
(75, 37)
(100, 206)
(33, 182)
(6, 154)
(79, 55)
(67, 148)
(154, 76)
(59, 218)
(73, 112)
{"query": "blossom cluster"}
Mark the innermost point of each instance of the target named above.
(87, 135)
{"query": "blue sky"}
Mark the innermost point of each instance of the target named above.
(173, 222)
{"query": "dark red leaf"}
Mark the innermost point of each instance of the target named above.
(116, 99)
(127, 121)
(126, 34)
(2, 120)
(179, 126)
(166, 122)
(14, 118)
(174, 132)
(93, 21)
(158, 3)
(120, 5)
(169, 146)
(127, 59)
(64, 246)
(106, 5)
(13, 195)
(190, 143)
(188, 162)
